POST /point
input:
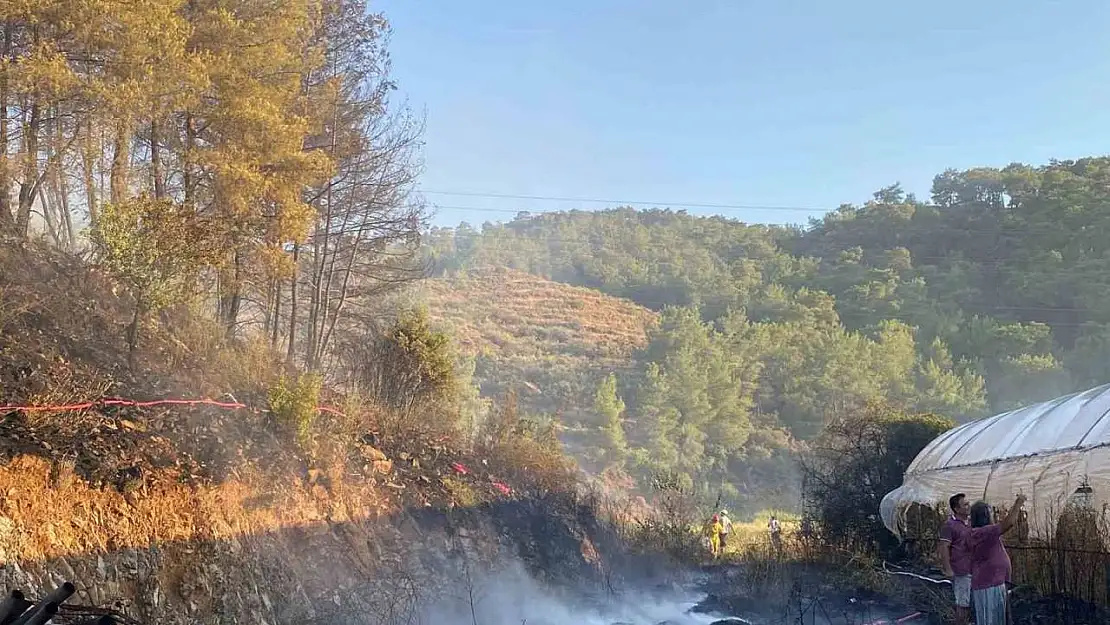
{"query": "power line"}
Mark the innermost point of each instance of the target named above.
(590, 200)
(483, 209)
(994, 263)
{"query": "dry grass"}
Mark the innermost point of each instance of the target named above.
(61, 330)
(786, 578)
(1073, 563)
(753, 537)
(62, 341)
(99, 482)
(551, 343)
(519, 315)
(52, 518)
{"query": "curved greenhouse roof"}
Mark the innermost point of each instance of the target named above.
(1045, 451)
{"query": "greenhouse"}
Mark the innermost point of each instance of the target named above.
(1055, 453)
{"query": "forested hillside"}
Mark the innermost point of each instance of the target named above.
(990, 295)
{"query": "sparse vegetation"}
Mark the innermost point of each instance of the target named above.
(855, 463)
(155, 249)
(550, 343)
(674, 524)
(527, 451)
(295, 404)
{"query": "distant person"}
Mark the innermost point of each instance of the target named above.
(726, 529)
(715, 536)
(807, 532)
(990, 564)
(775, 528)
(954, 552)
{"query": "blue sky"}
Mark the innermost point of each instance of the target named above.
(771, 103)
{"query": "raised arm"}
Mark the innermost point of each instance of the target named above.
(1013, 515)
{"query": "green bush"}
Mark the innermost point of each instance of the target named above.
(295, 405)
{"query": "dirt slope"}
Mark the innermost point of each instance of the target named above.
(250, 551)
(532, 335)
(186, 514)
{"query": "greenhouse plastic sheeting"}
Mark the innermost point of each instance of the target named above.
(1045, 451)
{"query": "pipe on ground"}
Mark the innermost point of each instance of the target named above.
(12, 607)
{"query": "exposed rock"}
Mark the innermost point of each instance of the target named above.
(372, 454)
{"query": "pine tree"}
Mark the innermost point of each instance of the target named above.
(609, 405)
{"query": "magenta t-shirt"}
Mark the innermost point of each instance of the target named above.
(991, 563)
(958, 534)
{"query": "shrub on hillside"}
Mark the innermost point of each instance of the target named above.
(407, 368)
(526, 451)
(153, 248)
(672, 524)
(855, 462)
(295, 405)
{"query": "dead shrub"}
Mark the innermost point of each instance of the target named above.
(526, 451)
(1073, 563)
(922, 523)
(855, 462)
(672, 525)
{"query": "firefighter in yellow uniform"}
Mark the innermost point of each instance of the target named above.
(715, 536)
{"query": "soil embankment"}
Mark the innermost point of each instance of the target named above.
(276, 553)
(175, 513)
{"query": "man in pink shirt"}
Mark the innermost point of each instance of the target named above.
(954, 551)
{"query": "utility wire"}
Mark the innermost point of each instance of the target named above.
(590, 200)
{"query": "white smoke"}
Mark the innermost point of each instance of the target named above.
(511, 597)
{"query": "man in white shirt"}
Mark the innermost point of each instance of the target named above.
(726, 529)
(776, 533)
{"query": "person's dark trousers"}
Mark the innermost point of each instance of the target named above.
(724, 542)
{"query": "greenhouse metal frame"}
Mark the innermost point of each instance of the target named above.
(1055, 453)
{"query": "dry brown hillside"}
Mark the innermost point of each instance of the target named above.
(532, 335)
(201, 514)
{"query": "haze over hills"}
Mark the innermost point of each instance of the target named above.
(988, 296)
